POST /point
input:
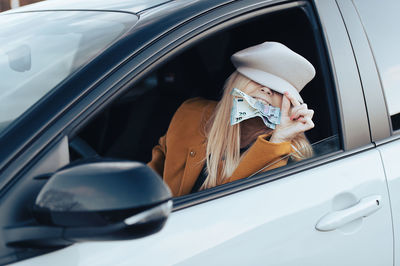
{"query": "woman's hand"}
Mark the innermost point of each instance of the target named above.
(294, 120)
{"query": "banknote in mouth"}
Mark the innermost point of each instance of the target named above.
(245, 107)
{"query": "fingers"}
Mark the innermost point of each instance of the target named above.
(298, 107)
(302, 113)
(285, 106)
(307, 123)
(293, 100)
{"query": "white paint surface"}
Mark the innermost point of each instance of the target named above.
(390, 157)
(272, 224)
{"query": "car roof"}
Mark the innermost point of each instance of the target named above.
(132, 6)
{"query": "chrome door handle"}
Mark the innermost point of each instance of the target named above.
(336, 219)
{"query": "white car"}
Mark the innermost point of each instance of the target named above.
(84, 81)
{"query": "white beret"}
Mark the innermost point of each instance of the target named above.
(275, 66)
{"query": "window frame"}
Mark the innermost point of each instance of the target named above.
(227, 16)
(217, 20)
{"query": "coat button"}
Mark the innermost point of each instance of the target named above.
(192, 153)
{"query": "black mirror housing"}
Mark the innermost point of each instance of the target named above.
(104, 200)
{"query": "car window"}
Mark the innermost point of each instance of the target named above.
(33, 60)
(131, 126)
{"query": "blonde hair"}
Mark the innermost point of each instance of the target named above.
(223, 140)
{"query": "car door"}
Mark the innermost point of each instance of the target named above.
(333, 210)
(378, 38)
(271, 224)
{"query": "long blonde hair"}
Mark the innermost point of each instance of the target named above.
(223, 139)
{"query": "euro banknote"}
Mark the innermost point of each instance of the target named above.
(245, 107)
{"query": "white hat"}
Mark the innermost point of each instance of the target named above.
(275, 66)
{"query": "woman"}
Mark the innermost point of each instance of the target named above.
(202, 148)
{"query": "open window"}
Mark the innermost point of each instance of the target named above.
(131, 125)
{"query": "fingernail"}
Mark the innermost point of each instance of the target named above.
(286, 93)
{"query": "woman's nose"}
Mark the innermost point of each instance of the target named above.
(266, 90)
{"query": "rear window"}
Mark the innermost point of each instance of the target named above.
(40, 49)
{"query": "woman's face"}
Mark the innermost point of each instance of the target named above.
(263, 94)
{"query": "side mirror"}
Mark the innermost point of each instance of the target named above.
(99, 200)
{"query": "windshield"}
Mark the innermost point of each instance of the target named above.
(40, 49)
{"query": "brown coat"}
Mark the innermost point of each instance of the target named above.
(179, 157)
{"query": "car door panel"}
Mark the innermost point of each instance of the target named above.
(271, 224)
(389, 153)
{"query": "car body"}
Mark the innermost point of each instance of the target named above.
(340, 207)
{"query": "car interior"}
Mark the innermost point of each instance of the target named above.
(131, 126)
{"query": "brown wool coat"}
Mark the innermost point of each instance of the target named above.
(179, 156)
